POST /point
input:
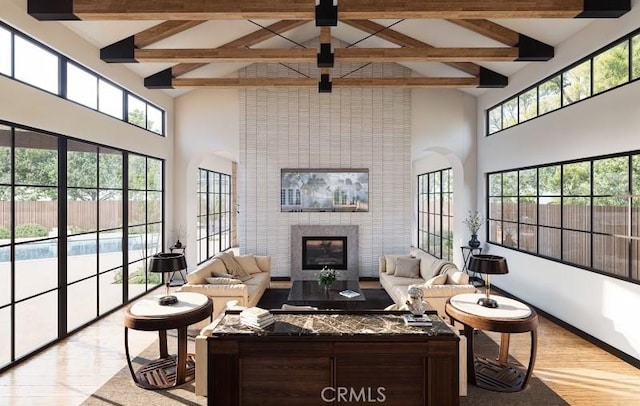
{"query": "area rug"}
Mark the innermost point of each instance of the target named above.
(121, 390)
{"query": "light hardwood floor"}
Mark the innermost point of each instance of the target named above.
(67, 373)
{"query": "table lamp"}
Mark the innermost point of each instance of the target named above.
(165, 262)
(489, 265)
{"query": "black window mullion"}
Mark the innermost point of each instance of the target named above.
(562, 212)
(62, 237)
(13, 243)
(592, 177)
(630, 216)
(591, 77)
(219, 211)
(538, 228)
(125, 227)
(98, 232)
(62, 76)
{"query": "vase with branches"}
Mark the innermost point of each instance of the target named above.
(473, 223)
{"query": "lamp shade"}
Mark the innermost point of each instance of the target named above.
(167, 262)
(488, 264)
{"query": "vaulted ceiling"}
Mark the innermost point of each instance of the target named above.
(469, 44)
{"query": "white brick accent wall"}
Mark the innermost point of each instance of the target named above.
(301, 128)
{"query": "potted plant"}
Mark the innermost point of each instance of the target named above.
(473, 222)
(326, 277)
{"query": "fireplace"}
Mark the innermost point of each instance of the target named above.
(346, 236)
(320, 252)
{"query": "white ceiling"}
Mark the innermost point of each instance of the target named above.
(439, 33)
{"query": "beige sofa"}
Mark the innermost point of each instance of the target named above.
(439, 279)
(247, 277)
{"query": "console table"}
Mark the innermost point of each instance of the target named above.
(312, 357)
(148, 315)
(509, 317)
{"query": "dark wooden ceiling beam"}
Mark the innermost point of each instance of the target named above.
(305, 9)
(162, 79)
(530, 49)
(421, 82)
(309, 55)
(404, 40)
(491, 30)
(162, 31)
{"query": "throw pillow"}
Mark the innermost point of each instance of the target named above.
(391, 263)
(233, 267)
(216, 265)
(436, 280)
(264, 262)
(198, 276)
(248, 263)
(457, 278)
(382, 263)
(222, 281)
(226, 275)
(407, 267)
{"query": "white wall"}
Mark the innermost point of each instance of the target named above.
(26, 105)
(349, 128)
(608, 123)
(443, 135)
(207, 130)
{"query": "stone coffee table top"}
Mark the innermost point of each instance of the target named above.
(332, 322)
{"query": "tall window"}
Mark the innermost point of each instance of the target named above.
(145, 221)
(435, 213)
(585, 213)
(25, 59)
(612, 66)
(214, 213)
(62, 256)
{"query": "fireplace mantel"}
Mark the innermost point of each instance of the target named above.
(299, 231)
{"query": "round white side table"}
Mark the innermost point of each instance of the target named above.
(511, 316)
(148, 315)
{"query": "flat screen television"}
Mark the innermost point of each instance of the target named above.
(324, 190)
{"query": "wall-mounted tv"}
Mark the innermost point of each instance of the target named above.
(324, 190)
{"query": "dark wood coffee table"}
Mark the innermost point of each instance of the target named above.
(310, 293)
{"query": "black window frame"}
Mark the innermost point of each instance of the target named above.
(62, 82)
(564, 226)
(214, 229)
(62, 242)
(429, 215)
(628, 38)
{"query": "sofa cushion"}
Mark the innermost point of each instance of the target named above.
(436, 280)
(457, 278)
(228, 275)
(233, 267)
(407, 267)
(216, 280)
(261, 278)
(248, 263)
(427, 264)
(264, 262)
(205, 270)
(382, 264)
(392, 261)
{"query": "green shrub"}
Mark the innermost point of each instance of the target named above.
(31, 230)
(138, 276)
(5, 234)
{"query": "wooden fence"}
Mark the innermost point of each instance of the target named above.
(610, 253)
(81, 215)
